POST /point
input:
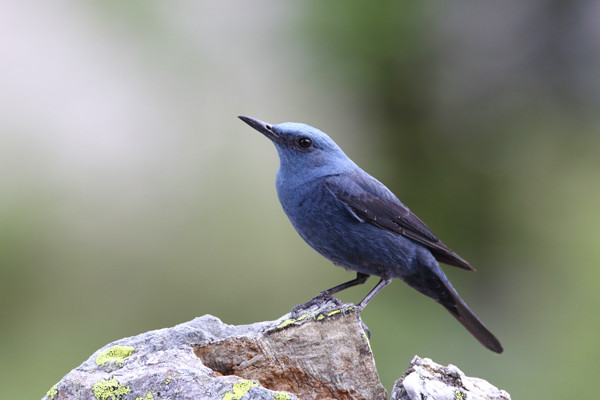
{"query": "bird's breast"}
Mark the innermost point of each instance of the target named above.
(327, 225)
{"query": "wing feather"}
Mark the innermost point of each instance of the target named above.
(370, 201)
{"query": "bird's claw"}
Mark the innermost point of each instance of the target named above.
(316, 303)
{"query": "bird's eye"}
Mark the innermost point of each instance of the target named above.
(304, 142)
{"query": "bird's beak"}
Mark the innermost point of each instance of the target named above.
(262, 127)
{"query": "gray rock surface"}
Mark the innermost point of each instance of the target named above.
(322, 354)
(427, 380)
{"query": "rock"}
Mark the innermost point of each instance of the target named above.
(427, 380)
(322, 354)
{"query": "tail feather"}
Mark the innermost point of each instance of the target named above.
(467, 317)
(434, 284)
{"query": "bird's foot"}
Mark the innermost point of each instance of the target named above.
(336, 305)
(314, 304)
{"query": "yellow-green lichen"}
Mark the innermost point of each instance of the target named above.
(167, 381)
(459, 395)
(291, 321)
(323, 315)
(285, 323)
(281, 396)
(148, 397)
(368, 341)
(318, 315)
(329, 314)
(239, 389)
(106, 389)
(52, 392)
(115, 353)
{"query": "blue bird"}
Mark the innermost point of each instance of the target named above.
(353, 220)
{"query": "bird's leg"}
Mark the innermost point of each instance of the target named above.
(325, 295)
(359, 280)
(382, 283)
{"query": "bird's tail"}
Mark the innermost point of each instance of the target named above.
(441, 290)
(467, 317)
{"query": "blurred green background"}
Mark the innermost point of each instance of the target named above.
(132, 198)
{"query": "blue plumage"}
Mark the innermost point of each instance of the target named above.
(353, 220)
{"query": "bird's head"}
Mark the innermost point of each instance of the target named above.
(302, 147)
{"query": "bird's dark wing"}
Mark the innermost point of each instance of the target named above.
(370, 201)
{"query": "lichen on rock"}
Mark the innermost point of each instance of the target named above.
(116, 354)
(109, 389)
(320, 354)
